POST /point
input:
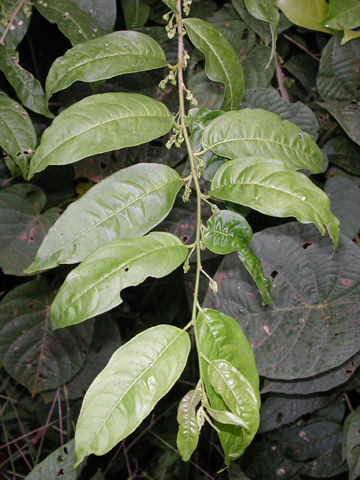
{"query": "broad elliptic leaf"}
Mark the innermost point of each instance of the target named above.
(313, 325)
(101, 123)
(77, 25)
(258, 26)
(128, 203)
(227, 418)
(188, 433)
(105, 57)
(253, 131)
(348, 115)
(270, 99)
(23, 226)
(253, 266)
(226, 232)
(103, 12)
(343, 13)
(136, 13)
(137, 376)
(351, 443)
(27, 88)
(30, 351)
(307, 13)
(17, 134)
(258, 71)
(274, 190)
(13, 34)
(93, 287)
(58, 464)
(221, 61)
(341, 152)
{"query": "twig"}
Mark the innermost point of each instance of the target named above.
(280, 78)
(12, 18)
(313, 55)
(348, 401)
(126, 460)
(23, 456)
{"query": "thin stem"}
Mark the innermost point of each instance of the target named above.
(280, 78)
(313, 55)
(12, 18)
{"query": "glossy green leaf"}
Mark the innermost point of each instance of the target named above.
(226, 232)
(275, 190)
(103, 12)
(343, 13)
(258, 71)
(105, 57)
(349, 35)
(27, 88)
(188, 433)
(14, 33)
(98, 124)
(30, 351)
(129, 203)
(253, 131)
(171, 4)
(254, 267)
(221, 62)
(77, 25)
(307, 13)
(17, 134)
(58, 464)
(227, 418)
(312, 326)
(351, 443)
(23, 225)
(93, 287)
(341, 152)
(137, 376)
(136, 13)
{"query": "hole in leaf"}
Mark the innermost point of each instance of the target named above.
(185, 238)
(30, 303)
(301, 137)
(66, 450)
(103, 165)
(126, 269)
(274, 274)
(336, 334)
(305, 245)
(60, 458)
(60, 473)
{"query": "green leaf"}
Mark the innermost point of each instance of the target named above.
(104, 12)
(18, 28)
(58, 464)
(30, 351)
(98, 124)
(137, 376)
(254, 267)
(343, 13)
(171, 4)
(105, 57)
(311, 328)
(188, 433)
(221, 61)
(349, 35)
(98, 475)
(227, 418)
(275, 190)
(136, 13)
(258, 67)
(93, 287)
(226, 232)
(258, 26)
(27, 88)
(253, 131)
(341, 152)
(351, 443)
(307, 13)
(77, 25)
(23, 226)
(129, 203)
(17, 134)
(348, 115)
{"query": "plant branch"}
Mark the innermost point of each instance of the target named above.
(313, 55)
(11, 21)
(280, 78)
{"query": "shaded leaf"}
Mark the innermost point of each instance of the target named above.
(171, 4)
(274, 190)
(344, 13)
(30, 351)
(312, 326)
(258, 26)
(254, 267)
(17, 134)
(221, 62)
(103, 12)
(307, 14)
(77, 25)
(257, 72)
(58, 464)
(188, 433)
(341, 152)
(207, 93)
(136, 13)
(17, 30)
(129, 203)
(27, 88)
(23, 226)
(105, 57)
(304, 68)
(253, 131)
(348, 116)
(98, 124)
(98, 475)
(93, 287)
(241, 37)
(137, 376)
(351, 443)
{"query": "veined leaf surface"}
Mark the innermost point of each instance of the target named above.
(307, 13)
(351, 443)
(343, 12)
(98, 124)
(188, 433)
(137, 376)
(253, 131)
(58, 464)
(136, 13)
(274, 190)
(129, 203)
(21, 21)
(105, 57)
(253, 266)
(221, 61)
(93, 287)
(104, 12)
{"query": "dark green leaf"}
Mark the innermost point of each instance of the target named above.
(344, 13)
(103, 12)
(307, 14)
(188, 433)
(93, 287)
(258, 26)
(351, 443)
(105, 57)
(23, 226)
(341, 152)
(98, 475)
(221, 62)
(137, 376)
(254, 267)
(312, 327)
(253, 131)
(136, 13)
(27, 88)
(17, 134)
(256, 70)
(77, 25)
(304, 68)
(208, 94)
(272, 189)
(13, 34)
(129, 203)
(58, 464)
(171, 4)
(30, 351)
(98, 124)
(235, 473)
(348, 116)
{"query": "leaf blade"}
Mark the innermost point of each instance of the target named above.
(188, 432)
